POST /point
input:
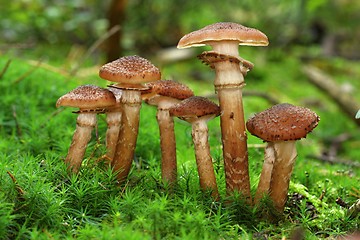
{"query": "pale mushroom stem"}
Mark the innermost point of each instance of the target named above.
(85, 123)
(113, 120)
(228, 83)
(233, 132)
(285, 155)
(234, 141)
(265, 176)
(168, 146)
(226, 47)
(125, 148)
(203, 158)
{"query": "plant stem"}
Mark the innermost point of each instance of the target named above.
(5, 68)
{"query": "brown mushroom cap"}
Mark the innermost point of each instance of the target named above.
(224, 31)
(87, 97)
(168, 88)
(130, 69)
(195, 106)
(283, 122)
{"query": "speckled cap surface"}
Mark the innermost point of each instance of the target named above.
(283, 122)
(130, 69)
(224, 31)
(195, 106)
(169, 88)
(87, 97)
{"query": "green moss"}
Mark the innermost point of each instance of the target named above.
(42, 201)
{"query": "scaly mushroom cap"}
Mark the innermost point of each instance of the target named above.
(87, 97)
(130, 69)
(195, 107)
(168, 88)
(224, 31)
(283, 122)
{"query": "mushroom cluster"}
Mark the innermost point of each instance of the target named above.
(230, 68)
(130, 73)
(137, 80)
(164, 94)
(90, 100)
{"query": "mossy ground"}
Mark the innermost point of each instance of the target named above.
(40, 200)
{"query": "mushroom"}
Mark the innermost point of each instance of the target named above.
(224, 38)
(90, 100)
(164, 94)
(280, 126)
(197, 111)
(130, 72)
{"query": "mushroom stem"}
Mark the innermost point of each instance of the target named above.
(228, 83)
(168, 146)
(85, 123)
(226, 47)
(125, 148)
(285, 155)
(265, 176)
(203, 158)
(113, 120)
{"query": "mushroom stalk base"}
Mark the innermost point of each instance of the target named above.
(203, 158)
(125, 148)
(85, 123)
(285, 155)
(168, 146)
(265, 176)
(113, 120)
(234, 140)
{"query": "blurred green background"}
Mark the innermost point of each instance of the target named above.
(148, 26)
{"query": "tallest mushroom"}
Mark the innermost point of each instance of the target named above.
(224, 38)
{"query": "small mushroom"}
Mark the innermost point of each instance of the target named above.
(197, 111)
(90, 100)
(164, 94)
(129, 72)
(280, 126)
(225, 38)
